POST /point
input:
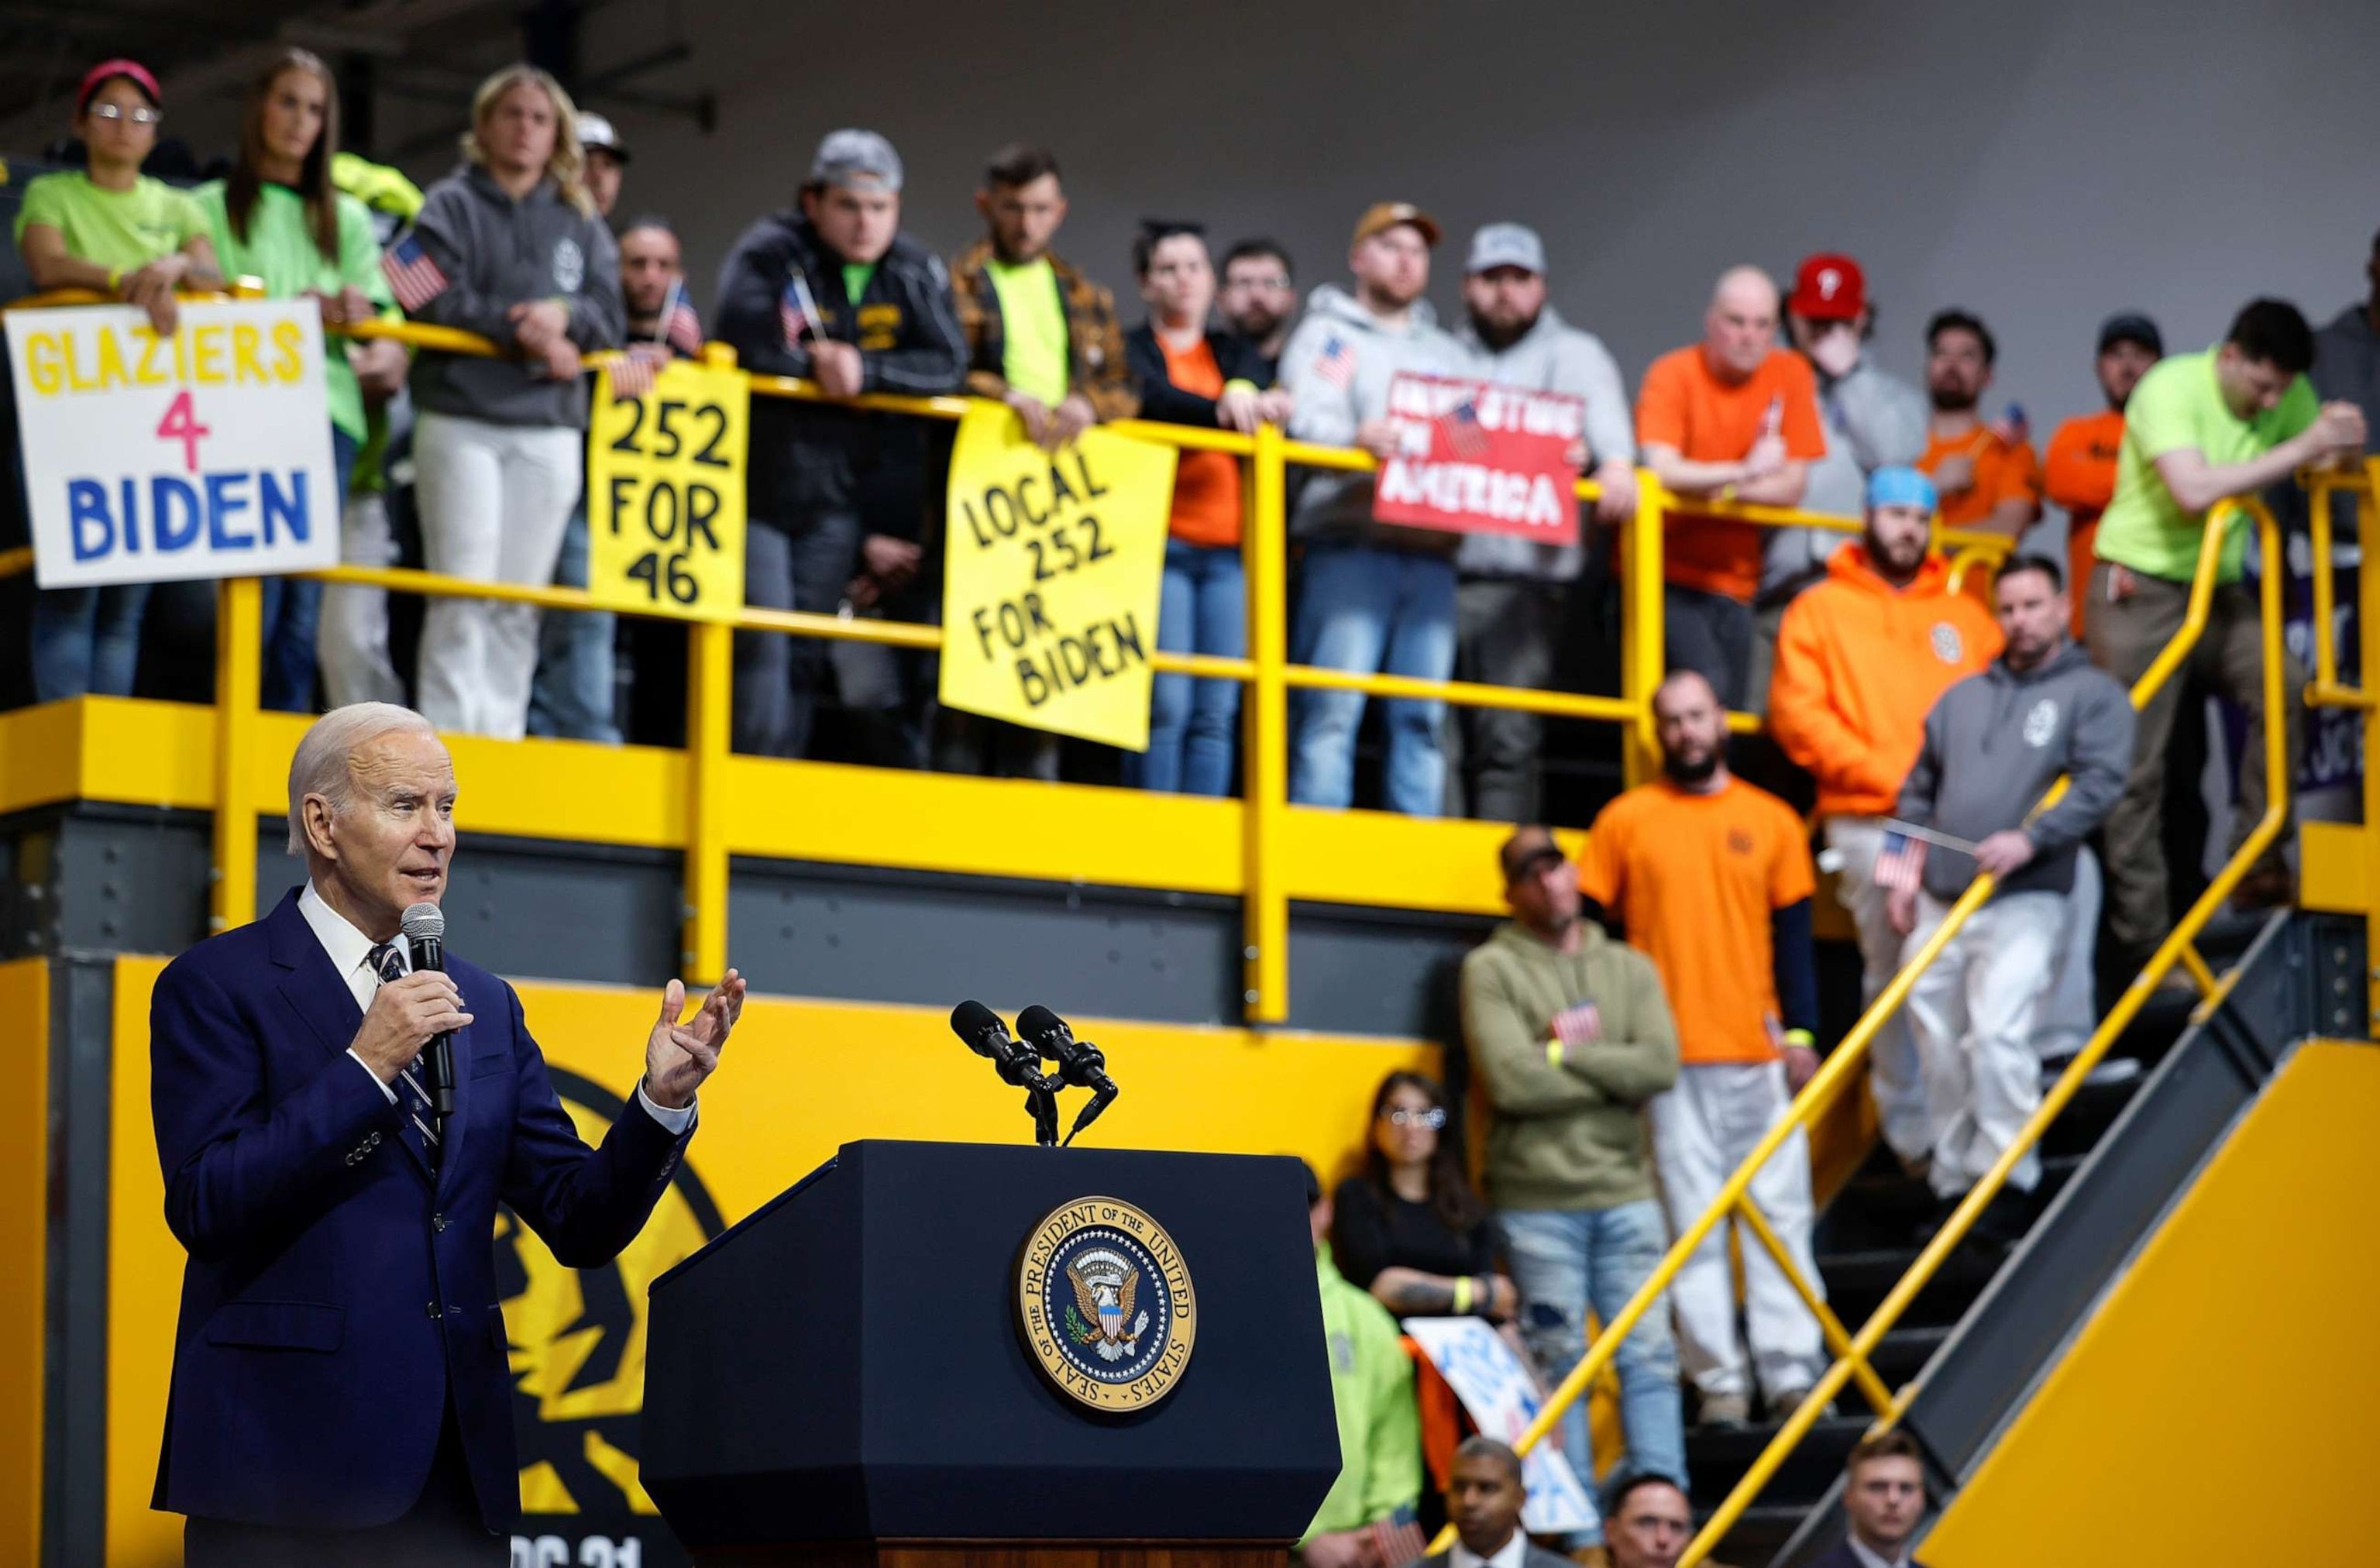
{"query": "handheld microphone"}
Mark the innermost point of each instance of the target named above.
(424, 926)
(1080, 1062)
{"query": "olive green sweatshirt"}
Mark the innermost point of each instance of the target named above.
(1566, 1132)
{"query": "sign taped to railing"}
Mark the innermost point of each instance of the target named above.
(204, 453)
(1476, 458)
(1050, 596)
(665, 493)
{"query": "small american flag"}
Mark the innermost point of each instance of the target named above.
(412, 276)
(1337, 364)
(634, 373)
(1578, 1025)
(1399, 1538)
(683, 330)
(1900, 864)
(1460, 425)
(797, 312)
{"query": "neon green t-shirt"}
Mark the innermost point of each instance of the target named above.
(854, 279)
(112, 228)
(280, 250)
(1033, 324)
(2177, 405)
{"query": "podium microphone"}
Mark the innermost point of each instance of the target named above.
(1017, 1064)
(1080, 1062)
(424, 926)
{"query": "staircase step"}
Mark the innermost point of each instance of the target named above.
(1858, 1281)
(1718, 1457)
(1759, 1533)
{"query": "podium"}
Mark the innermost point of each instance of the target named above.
(845, 1379)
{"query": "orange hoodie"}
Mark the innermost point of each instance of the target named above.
(1859, 664)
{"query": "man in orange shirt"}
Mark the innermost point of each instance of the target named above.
(1712, 879)
(1733, 418)
(2079, 473)
(1860, 660)
(1988, 476)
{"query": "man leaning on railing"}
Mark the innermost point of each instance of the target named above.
(2201, 428)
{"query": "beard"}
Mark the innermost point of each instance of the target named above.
(1497, 336)
(1952, 399)
(1690, 771)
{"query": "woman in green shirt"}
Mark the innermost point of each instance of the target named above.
(107, 227)
(279, 218)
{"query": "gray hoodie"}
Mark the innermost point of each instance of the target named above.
(497, 252)
(1993, 745)
(1338, 365)
(1552, 356)
(1872, 419)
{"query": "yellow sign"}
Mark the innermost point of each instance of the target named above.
(1104, 1301)
(1049, 601)
(665, 493)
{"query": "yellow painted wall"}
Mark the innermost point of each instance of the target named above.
(2220, 1406)
(24, 1251)
(800, 1079)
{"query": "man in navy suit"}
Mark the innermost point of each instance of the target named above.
(1883, 1494)
(1484, 1497)
(340, 1389)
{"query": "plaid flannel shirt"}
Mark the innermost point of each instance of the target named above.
(1095, 357)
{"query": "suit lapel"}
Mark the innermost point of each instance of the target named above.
(450, 1150)
(315, 991)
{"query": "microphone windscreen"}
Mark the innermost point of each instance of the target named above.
(424, 923)
(1036, 1021)
(970, 1019)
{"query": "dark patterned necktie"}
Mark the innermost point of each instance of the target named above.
(421, 1126)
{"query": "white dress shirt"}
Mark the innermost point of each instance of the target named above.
(1510, 1555)
(1869, 1559)
(350, 953)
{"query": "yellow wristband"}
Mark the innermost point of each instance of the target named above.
(1553, 1054)
(1727, 492)
(115, 279)
(1801, 1037)
(1461, 1296)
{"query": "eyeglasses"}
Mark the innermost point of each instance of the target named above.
(1434, 1119)
(141, 117)
(1275, 282)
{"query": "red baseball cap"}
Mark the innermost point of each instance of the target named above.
(99, 75)
(1829, 287)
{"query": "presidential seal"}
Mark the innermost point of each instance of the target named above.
(1104, 1303)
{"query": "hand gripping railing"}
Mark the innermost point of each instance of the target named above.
(1837, 1074)
(1266, 671)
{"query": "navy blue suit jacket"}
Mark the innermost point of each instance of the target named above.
(1841, 1556)
(333, 1302)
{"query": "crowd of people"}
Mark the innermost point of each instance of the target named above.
(1780, 401)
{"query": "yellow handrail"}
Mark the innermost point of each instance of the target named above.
(1834, 1075)
(1266, 671)
(1937, 1251)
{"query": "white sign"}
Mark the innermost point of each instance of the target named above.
(202, 454)
(1501, 1399)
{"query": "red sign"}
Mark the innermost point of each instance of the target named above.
(1476, 458)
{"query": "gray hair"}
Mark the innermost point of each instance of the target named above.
(322, 764)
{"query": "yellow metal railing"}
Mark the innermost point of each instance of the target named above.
(2324, 689)
(1266, 671)
(1839, 1072)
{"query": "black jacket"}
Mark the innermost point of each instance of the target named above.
(1168, 404)
(804, 455)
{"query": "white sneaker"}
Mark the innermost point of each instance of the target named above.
(2111, 1070)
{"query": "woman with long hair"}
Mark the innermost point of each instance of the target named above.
(508, 246)
(1190, 373)
(277, 218)
(1410, 1229)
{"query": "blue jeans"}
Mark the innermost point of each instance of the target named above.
(1203, 609)
(1372, 610)
(293, 608)
(1566, 1261)
(87, 641)
(573, 698)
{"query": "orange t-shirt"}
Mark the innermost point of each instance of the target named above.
(1205, 484)
(1683, 406)
(1696, 879)
(2002, 473)
(2080, 475)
